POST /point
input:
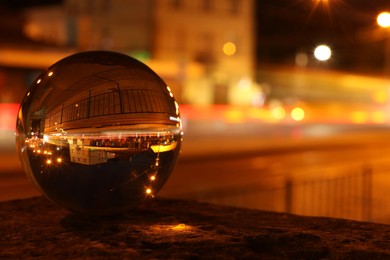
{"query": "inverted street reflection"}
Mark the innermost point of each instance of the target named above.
(99, 132)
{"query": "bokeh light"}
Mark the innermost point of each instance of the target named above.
(322, 52)
(229, 48)
(383, 19)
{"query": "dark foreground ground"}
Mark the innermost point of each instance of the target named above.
(182, 229)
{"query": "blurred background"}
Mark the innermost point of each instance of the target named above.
(285, 104)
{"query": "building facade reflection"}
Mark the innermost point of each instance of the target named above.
(95, 148)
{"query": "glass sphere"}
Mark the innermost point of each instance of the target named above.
(98, 133)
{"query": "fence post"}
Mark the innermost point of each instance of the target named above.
(367, 193)
(288, 195)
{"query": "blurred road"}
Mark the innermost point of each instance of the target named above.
(308, 169)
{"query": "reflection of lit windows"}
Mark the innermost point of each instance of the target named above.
(176, 4)
(234, 6)
(207, 5)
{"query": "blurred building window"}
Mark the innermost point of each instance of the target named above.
(179, 44)
(234, 7)
(176, 4)
(106, 5)
(207, 5)
(91, 6)
(204, 48)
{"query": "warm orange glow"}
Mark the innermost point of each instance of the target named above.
(163, 148)
(278, 113)
(30, 58)
(172, 228)
(8, 113)
(48, 161)
(148, 191)
(378, 117)
(297, 114)
(59, 159)
(359, 117)
(234, 116)
(229, 48)
(181, 227)
(380, 97)
(152, 177)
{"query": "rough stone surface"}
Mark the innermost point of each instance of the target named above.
(182, 229)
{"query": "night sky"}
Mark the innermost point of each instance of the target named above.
(286, 27)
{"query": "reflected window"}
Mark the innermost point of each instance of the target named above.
(207, 5)
(176, 4)
(234, 7)
(106, 6)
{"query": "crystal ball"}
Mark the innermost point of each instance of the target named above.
(98, 133)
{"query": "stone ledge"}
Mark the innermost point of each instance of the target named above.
(182, 229)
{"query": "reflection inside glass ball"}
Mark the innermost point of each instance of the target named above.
(98, 133)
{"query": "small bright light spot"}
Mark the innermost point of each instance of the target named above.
(359, 117)
(380, 97)
(153, 178)
(181, 227)
(234, 116)
(28, 93)
(39, 81)
(297, 114)
(383, 19)
(244, 84)
(50, 74)
(229, 48)
(77, 105)
(278, 113)
(148, 191)
(48, 161)
(378, 117)
(322, 53)
(59, 159)
(38, 151)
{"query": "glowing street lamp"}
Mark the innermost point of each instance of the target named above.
(383, 19)
(322, 53)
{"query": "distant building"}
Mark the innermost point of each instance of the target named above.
(203, 49)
